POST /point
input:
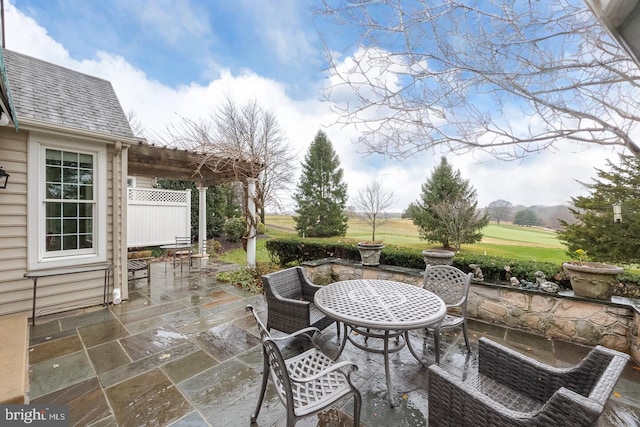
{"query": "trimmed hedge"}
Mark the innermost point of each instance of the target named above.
(297, 250)
(290, 251)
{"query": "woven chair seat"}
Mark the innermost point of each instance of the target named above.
(515, 390)
(451, 321)
(503, 394)
(310, 397)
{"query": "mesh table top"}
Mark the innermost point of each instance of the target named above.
(380, 304)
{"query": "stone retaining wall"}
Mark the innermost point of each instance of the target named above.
(613, 324)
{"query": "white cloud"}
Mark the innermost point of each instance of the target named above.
(546, 178)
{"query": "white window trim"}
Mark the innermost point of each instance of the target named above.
(36, 253)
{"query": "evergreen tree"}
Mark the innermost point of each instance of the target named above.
(526, 217)
(321, 195)
(447, 209)
(595, 231)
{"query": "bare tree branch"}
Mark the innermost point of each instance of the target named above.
(371, 202)
(245, 139)
(506, 77)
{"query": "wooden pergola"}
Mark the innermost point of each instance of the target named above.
(205, 170)
(174, 163)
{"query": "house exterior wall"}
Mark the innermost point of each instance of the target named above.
(144, 181)
(17, 233)
(14, 289)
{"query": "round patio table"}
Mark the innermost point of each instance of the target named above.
(380, 309)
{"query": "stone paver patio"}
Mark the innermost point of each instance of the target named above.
(183, 352)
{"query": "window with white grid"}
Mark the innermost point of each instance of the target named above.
(67, 221)
(69, 200)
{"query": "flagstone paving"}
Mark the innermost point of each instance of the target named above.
(183, 352)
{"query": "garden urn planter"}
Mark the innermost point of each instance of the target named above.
(437, 257)
(592, 279)
(370, 252)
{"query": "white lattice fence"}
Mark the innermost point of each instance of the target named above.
(155, 217)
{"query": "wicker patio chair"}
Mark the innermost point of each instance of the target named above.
(512, 389)
(306, 383)
(290, 302)
(452, 285)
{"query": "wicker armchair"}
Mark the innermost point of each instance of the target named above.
(512, 389)
(306, 383)
(290, 302)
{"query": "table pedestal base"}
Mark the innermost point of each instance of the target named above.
(385, 350)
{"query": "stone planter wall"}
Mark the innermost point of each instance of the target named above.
(613, 324)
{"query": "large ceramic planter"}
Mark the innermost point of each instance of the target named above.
(437, 257)
(370, 253)
(592, 279)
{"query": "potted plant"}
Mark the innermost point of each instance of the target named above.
(438, 257)
(370, 251)
(591, 279)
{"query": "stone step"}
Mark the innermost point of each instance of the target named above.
(14, 336)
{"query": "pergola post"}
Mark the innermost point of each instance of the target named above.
(251, 207)
(202, 226)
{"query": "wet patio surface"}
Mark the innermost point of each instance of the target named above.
(183, 352)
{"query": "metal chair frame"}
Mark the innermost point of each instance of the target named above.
(306, 383)
(181, 252)
(452, 285)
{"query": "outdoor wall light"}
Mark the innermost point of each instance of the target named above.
(617, 212)
(4, 178)
(4, 118)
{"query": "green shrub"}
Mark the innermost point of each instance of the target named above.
(234, 229)
(297, 250)
(248, 278)
(493, 267)
(214, 247)
(262, 229)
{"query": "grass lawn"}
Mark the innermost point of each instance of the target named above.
(504, 240)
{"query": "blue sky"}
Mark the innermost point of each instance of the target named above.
(182, 42)
(172, 59)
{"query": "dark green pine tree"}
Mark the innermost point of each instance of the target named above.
(595, 230)
(321, 195)
(447, 211)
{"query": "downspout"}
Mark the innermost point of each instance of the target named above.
(116, 215)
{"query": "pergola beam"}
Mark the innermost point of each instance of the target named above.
(203, 169)
(173, 163)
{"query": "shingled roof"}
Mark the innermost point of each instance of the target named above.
(51, 94)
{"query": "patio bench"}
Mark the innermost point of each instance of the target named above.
(37, 274)
(14, 367)
(139, 264)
